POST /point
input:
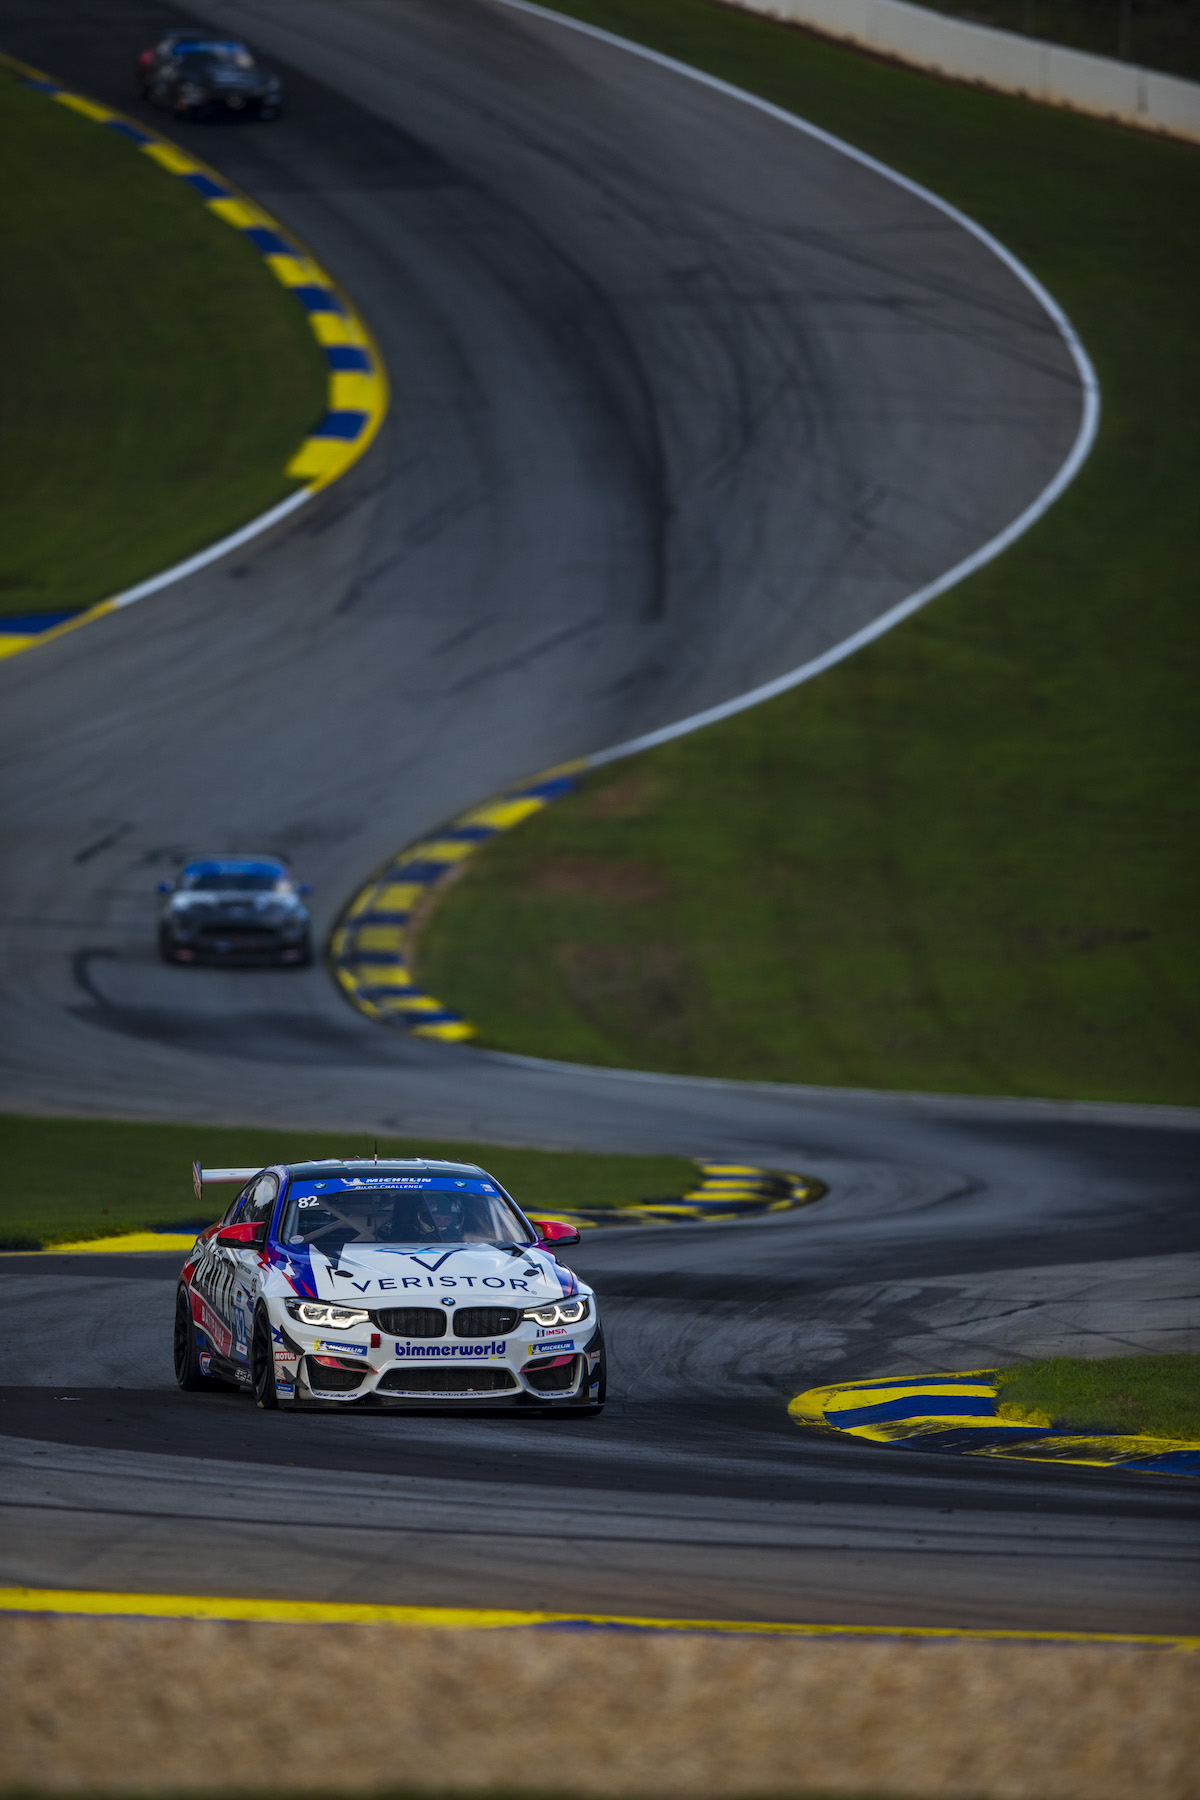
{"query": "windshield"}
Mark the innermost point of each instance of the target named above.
(241, 878)
(230, 56)
(409, 1210)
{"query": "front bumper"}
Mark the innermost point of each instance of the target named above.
(526, 1368)
(235, 103)
(235, 944)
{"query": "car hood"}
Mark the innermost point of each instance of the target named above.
(378, 1275)
(238, 906)
(235, 81)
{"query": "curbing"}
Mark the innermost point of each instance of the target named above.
(371, 946)
(958, 1413)
(127, 1243)
(357, 392)
(94, 1603)
(725, 1191)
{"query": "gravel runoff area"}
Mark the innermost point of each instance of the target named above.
(134, 1705)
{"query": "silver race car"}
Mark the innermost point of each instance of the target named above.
(385, 1284)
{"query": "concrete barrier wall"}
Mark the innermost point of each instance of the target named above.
(1002, 60)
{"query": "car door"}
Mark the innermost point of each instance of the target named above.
(240, 1277)
(164, 79)
(212, 1281)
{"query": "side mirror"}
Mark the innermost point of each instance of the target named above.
(241, 1237)
(555, 1231)
(164, 887)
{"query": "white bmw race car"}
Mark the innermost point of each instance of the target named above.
(400, 1284)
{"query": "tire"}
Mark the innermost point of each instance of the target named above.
(262, 1361)
(188, 1372)
(165, 948)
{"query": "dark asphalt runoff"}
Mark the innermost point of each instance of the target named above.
(682, 397)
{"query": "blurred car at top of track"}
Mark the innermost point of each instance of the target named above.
(384, 1284)
(197, 76)
(234, 909)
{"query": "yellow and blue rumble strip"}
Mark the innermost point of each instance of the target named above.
(357, 392)
(962, 1413)
(724, 1191)
(94, 1604)
(370, 949)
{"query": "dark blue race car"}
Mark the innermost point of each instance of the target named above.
(198, 76)
(234, 909)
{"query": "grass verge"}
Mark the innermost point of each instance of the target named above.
(163, 378)
(966, 859)
(71, 1179)
(1135, 1396)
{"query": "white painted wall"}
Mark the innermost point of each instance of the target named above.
(1002, 60)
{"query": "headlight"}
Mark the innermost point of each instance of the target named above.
(315, 1312)
(558, 1312)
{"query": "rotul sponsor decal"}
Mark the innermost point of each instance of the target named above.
(497, 1347)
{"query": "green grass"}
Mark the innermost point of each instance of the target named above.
(1143, 1396)
(966, 859)
(67, 1179)
(158, 379)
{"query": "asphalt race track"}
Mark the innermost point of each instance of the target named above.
(681, 398)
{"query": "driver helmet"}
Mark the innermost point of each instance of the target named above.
(446, 1210)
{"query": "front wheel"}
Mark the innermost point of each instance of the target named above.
(262, 1361)
(188, 1372)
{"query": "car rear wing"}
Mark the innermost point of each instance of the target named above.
(202, 1178)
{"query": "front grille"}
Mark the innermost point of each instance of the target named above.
(412, 1321)
(331, 1381)
(448, 1381)
(548, 1380)
(485, 1321)
(240, 928)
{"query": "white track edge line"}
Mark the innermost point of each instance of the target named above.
(1084, 439)
(214, 551)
